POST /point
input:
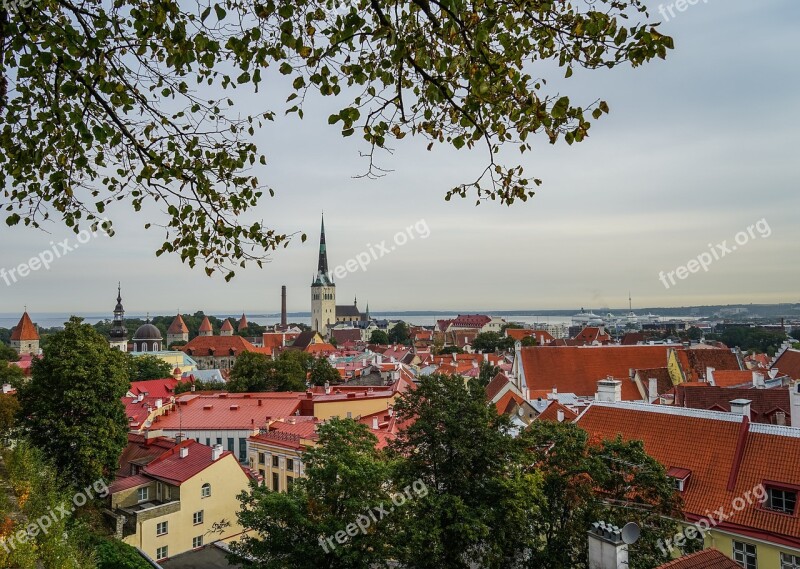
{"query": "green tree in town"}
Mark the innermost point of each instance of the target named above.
(528, 341)
(71, 408)
(85, 122)
(7, 354)
(486, 342)
(323, 372)
(399, 334)
(585, 482)
(487, 373)
(9, 409)
(448, 350)
(148, 366)
(379, 337)
(254, 372)
(345, 478)
(481, 498)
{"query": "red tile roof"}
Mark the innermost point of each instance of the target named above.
(702, 356)
(574, 369)
(228, 411)
(496, 386)
(788, 363)
(226, 326)
(288, 435)
(518, 333)
(178, 326)
(706, 559)
(128, 482)
(733, 378)
(25, 330)
(218, 346)
(504, 402)
(323, 348)
(551, 413)
(660, 374)
(592, 334)
(156, 388)
(140, 451)
(171, 468)
(729, 458)
(632, 338)
(279, 339)
(243, 323)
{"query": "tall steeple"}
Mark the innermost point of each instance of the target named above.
(322, 264)
(118, 335)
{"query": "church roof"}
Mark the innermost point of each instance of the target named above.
(147, 332)
(25, 330)
(347, 310)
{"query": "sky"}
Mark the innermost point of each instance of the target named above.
(696, 149)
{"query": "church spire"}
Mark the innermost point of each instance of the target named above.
(322, 264)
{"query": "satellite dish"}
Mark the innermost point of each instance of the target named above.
(631, 532)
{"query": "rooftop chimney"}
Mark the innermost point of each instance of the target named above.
(216, 452)
(652, 390)
(374, 423)
(560, 415)
(184, 452)
(609, 390)
(159, 403)
(741, 407)
(710, 375)
(283, 307)
(607, 549)
(758, 379)
(327, 388)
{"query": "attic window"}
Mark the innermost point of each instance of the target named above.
(680, 477)
(781, 500)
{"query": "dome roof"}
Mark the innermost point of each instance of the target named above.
(147, 332)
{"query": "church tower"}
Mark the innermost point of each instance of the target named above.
(323, 292)
(118, 335)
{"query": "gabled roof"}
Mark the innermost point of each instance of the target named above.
(788, 363)
(24, 331)
(592, 334)
(141, 450)
(701, 356)
(706, 559)
(764, 402)
(178, 326)
(660, 374)
(551, 413)
(218, 346)
(727, 455)
(496, 386)
(307, 337)
(347, 310)
(577, 369)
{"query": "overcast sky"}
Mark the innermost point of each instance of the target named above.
(696, 149)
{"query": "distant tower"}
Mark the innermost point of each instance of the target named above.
(323, 291)
(243, 324)
(205, 328)
(178, 331)
(226, 329)
(147, 338)
(25, 338)
(283, 308)
(118, 335)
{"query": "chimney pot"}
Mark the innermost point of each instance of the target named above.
(216, 452)
(184, 452)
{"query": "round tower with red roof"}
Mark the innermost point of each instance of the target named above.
(25, 338)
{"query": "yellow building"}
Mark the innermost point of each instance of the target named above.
(183, 499)
(277, 454)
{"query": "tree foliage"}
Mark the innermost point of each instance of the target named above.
(379, 337)
(323, 372)
(134, 102)
(399, 333)
(751, 339)
(486, 342)
(148, 366)
(71, 408)
(345, 478)
(254, 372)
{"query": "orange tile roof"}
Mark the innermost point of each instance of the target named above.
(504, 402)
(577, 369)
(788, 363)
(25, 330)
(727, 455)
(226, 326)
(217, 346)
(242, 323)
(323, 348)
(660, 374)
(706, 559)
(518, 333)
(178, 326)
(733, 378)
(699, 358)
(764, 402)
(496, 385)
(279, 339)
(592, 334)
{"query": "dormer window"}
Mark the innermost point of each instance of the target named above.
(781, 500)
(679, 477)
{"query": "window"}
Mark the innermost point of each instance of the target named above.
(289, 464)
(197, 517)
(205, 490)
(263, 475)
(745, 555)
(142, 494)
(789, 561)
(208, 442)
(782, 501)
(161, 528)
(261, 458)
(274, 461)
(219, 440)
(276, 482)
(242, 450)
(161, 553)
(230, 443)
(197, 542)
(289, 483)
